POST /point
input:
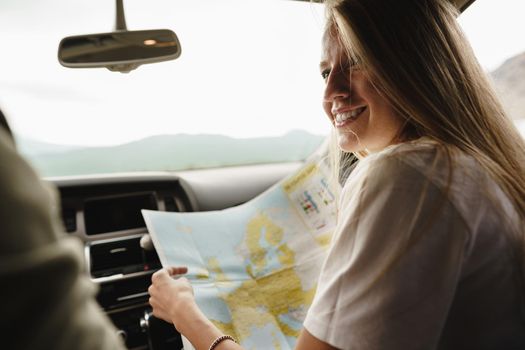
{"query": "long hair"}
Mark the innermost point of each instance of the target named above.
(418, 58)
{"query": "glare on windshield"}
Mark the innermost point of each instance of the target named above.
(247, 79)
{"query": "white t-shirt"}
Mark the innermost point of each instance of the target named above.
(420, 258)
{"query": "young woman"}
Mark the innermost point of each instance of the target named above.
(429, 248)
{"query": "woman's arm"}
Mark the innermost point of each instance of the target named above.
(173, 301)
(307, 341)
(395, 261)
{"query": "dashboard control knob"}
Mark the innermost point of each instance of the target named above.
(144, 320)
(146, 243)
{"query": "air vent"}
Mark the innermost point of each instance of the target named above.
(170, 204)
(123, 256)
(124, 292)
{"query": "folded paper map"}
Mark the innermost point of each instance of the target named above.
(254, 267)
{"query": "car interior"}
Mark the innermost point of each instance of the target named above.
(103, 209)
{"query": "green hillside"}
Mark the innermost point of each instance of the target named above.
(174, 152)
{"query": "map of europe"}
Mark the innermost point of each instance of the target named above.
(254, 267)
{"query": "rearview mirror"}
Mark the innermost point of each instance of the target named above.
(120, 51)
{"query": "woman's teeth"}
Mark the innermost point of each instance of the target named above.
(340, 118)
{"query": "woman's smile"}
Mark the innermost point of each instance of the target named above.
(347, 116)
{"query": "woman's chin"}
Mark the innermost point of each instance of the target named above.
(348, 142)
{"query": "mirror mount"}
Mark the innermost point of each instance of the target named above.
(120, 26)
(123, 68)
(120, 21)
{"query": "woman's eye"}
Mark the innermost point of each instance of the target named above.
(325, 73)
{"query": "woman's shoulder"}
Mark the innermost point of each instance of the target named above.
(399, 162)
(398, 169)
(440, 163)
(424, 161)
(454, 174)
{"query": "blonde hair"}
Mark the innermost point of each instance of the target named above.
(418, 58)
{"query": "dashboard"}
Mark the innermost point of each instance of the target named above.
(104, 212)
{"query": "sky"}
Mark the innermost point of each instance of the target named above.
(495, 29)
(248, 68)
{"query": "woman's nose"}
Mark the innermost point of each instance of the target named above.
(338, 86)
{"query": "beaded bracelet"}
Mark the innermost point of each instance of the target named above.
(219, 340)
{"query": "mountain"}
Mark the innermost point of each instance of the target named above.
(173, 152)
(509, 80)
(33, 148)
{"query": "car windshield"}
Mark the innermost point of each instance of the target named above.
(246, 88)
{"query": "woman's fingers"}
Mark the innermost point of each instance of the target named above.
(159, 275)
(168, 272)
(177, 270)
(168, 296)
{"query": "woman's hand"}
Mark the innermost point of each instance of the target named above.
(173, 301)
(170, 297)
